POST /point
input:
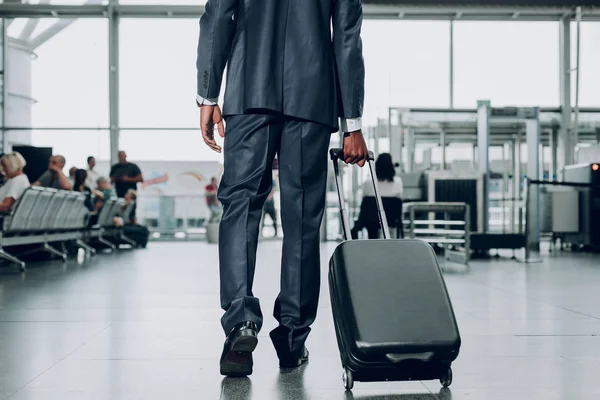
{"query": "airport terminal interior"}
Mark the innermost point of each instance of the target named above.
(489, 112)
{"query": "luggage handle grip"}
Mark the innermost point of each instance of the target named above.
(398, 358)
(338, 154)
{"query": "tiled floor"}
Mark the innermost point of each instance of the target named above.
(144, 324)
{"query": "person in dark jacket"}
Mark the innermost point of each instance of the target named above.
(295, 75)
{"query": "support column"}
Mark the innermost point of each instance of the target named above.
(451, 64)
(566, 147)
(517, 180)
(410, 151)
(483, 142)
(396, 144)
(443, 145)
(376, 136)
(514, 189)
(113, 80)
(4, 82)
(533, 212)
(395, 135)
(553, 152)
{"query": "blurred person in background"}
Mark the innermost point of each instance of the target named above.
(125, 175)
(388, 183)
(72, 172)
(16, 181)
(92, 175)
(131, 197)
(107, 191)
(105, 187)
(389, 186)
(2, 173)
(210, 191)
(80, 186)
(54, 177)
(131, 229)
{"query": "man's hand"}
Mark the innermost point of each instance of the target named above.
(355, 149)
(209, 117)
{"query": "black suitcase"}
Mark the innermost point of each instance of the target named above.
(393, 318)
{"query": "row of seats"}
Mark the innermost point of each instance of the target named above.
(43, 216)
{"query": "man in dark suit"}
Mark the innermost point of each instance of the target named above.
(289, 79)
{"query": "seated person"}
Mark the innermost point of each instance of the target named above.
(2, 174)
(131, 229)
(54, 177)
(80, 186)
(130, 197)
(389, 186)
(105, 188)
(72, 172)
(16, 181)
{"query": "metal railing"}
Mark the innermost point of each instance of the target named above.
(435, 225)
(173, 216)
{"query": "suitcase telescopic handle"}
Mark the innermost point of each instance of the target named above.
(337, 154)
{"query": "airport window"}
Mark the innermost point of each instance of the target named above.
(509, 63)
(589, 80)
(63, 81)
(153, 145)
(409, 69)
(158, 74)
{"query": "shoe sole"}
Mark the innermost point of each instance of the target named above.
(245, 344)
(236, 370)
(300, 363)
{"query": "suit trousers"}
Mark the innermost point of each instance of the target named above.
(251, 143)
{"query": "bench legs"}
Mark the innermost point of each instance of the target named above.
(9, 257)
(127, 240)
(107, 243)
(54, 251)
(86, 247)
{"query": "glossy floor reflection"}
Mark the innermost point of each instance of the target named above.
(145, 325)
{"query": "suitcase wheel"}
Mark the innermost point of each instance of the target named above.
(348, 379)
(446, 379)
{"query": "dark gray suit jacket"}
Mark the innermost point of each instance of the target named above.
(284, 56)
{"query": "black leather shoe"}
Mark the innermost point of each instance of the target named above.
(295, 363)
(236, 359)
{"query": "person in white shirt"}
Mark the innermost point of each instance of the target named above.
(16, 183)
(92, 176)
(389, 185)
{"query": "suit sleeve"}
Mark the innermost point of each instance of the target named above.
(217, 29)
(347, 44)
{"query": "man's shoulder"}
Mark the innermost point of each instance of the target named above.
(45, 175)
(132, 166)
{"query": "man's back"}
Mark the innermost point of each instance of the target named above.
(281, 57)
(295, 66)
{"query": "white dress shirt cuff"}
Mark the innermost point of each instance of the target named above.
(202, 101)
(350, 124)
